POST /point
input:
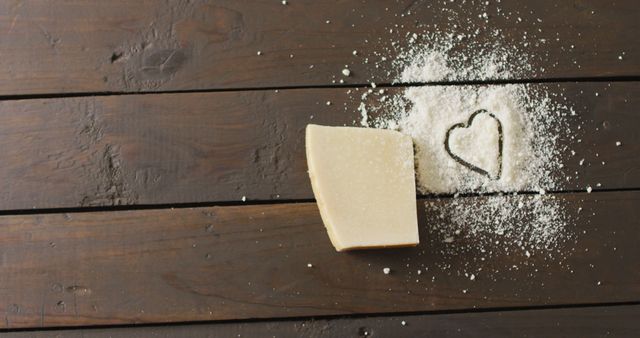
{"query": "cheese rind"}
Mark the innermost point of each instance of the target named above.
(364, 182)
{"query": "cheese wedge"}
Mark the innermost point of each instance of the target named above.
(364, 182)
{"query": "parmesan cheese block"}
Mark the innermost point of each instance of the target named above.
(364, 182)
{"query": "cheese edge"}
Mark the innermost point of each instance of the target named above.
(316, 192)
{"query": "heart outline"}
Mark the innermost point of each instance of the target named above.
(467, 125)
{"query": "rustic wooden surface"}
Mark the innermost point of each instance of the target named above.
(613, 321)
(212, 147)
(74, 134)
(240, 262)
(123, 46)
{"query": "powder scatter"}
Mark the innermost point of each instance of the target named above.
(364, 121)
(437, 56)
(530, 222)
(529, 122)
(481, 139)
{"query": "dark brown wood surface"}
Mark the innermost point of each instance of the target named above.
(124, 46)
(239, 262)
(234, 136)
(603, 321)
(212, 147)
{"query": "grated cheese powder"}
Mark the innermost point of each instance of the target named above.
(510, 146)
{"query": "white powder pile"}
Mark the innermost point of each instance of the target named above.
(508, 137)
(478, 139)
(513, 139)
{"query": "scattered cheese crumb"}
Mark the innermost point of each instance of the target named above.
(403, 323)
(259, 53)
(472, 277)
(618, 143)
(244, 198)
(355, 52)
(346, 72)
(589, 189)
(328, 103)
(309, 265)
(284, 2)
(386, 271)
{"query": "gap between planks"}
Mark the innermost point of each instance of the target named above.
(272, 202)
(488, 311)
(385, 85)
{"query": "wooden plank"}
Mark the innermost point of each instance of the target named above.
(210, 147)
(100, 46)
(614, 321)
(219, 263)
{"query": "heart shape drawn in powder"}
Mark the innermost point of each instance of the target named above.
(492, 172)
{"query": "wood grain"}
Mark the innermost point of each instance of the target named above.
(123, 46)
(217, 263)
(212, 147)
(613, 321)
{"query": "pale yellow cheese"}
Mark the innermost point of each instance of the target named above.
(364, 182)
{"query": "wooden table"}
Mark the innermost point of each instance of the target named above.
(130, 131)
